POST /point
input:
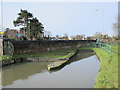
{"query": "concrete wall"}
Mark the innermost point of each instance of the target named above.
(29, 47)
(1, 46)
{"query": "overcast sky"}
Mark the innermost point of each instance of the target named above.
(73, 18)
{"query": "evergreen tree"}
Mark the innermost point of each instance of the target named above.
(23, 19)
(36, 28)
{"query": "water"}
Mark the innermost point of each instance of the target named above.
(79, 73)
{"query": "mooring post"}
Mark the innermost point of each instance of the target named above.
(1, 47)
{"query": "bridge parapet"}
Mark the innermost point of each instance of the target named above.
(29, 47)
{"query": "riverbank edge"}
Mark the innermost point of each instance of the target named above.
(105, 61)
(39, 59)
(55, 65)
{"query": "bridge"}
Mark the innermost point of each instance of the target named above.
(10, 47)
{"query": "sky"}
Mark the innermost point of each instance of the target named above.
(73, 18)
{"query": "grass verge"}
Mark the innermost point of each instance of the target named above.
(108, 75)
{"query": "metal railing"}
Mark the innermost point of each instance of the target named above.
(103, 46)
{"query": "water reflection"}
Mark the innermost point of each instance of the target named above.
(23, 71)
(80, 55)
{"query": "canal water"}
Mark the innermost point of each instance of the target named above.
(80, 72)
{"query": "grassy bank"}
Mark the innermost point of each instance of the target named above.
(108, 75)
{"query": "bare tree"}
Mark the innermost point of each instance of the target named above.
(66, 36)
(47, 34)
(116, 27)
(79, 37)
(72, 37)
(98, 36)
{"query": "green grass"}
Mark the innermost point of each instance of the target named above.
(68, 55)
(115, 48)
(60, 54)
(108, 75)
(5, 57)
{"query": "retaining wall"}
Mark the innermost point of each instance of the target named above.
(29, 47)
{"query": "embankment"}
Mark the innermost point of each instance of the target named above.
(40, 57)
(108, 74)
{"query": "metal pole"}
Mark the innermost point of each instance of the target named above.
(103, 18)
(2, 17)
